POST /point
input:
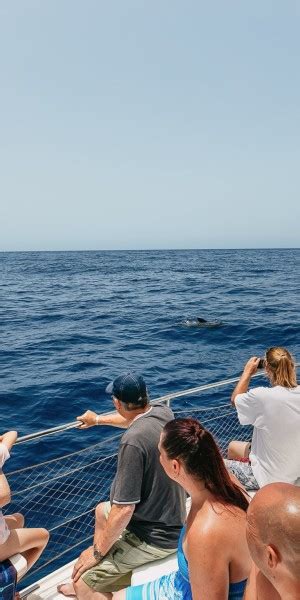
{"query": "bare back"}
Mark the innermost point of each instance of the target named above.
(216, 549)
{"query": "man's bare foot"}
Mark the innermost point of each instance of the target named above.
(67, 589)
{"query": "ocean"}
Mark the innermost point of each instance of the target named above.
(72, 321)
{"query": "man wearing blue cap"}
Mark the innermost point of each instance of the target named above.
(143, 520)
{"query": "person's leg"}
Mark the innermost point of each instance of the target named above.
(15, 521)
(238, 450)
(114, 572)
(101, 514)
(121, 595)
(84, 592)
(67, 589)
(28, 542)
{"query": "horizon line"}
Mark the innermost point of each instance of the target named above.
(150, 249)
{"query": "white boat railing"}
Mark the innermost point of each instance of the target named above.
(61, 493)
(164, 399)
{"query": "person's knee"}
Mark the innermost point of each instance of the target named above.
(231, 450)
(238, 450)
(44, 536)
(20, 520)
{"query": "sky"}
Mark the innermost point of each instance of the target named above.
(134, 124)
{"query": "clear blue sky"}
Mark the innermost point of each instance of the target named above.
(149, 124)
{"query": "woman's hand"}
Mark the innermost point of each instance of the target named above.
(251, 366)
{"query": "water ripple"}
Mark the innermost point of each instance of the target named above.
(71, 321)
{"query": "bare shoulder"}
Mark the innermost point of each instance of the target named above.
(216, 523)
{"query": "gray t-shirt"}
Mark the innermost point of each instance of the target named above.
(140, 479)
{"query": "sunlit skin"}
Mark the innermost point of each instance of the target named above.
(209, 526)
(30, 542)
(273, 536)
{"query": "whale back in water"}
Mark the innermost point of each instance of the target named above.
(200, 322)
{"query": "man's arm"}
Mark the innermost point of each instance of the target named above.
(117, 521)
(126, 494)
(90, 419)
(243, 383)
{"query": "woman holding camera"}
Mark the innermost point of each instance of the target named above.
(274, 412)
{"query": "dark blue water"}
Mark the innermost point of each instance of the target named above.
(71, 321)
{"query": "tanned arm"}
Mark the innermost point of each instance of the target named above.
(90, 419)
(243, 383)
(117, 521)
(8, 439)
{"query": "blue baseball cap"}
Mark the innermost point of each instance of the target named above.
(129, 388)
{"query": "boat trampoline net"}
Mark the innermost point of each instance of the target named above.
(61, 494)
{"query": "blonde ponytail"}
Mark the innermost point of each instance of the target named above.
(281, 366)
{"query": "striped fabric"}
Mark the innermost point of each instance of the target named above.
(8, 579)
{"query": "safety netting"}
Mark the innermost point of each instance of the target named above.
(61, 494)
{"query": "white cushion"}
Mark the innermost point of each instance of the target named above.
(153, 570)
(20, 564)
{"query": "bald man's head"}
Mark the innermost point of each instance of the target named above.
(273, 528)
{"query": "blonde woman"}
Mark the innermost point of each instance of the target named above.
(274, 412)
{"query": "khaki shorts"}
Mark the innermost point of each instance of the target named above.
(114, 572)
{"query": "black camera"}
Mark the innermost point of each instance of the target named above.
(261, 363)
